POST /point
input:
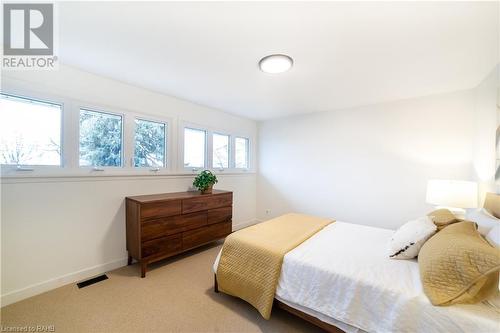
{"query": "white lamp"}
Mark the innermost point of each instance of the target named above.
(454, 195)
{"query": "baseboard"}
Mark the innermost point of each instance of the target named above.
(41, 287)
(244, 224)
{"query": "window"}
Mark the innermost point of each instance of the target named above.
(241, 153)
(32, 141)
(100, 139)
(194, 148)
(220, 151)
(150, 139)
(30, 131)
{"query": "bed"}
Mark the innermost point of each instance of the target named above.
(342, 280)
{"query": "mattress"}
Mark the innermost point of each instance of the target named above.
(342, 276)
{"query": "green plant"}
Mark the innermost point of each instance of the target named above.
(204, 180)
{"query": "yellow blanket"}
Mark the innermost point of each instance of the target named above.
(250, 263)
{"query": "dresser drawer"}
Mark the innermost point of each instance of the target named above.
(171, 225)
(206, 234)
(218, 215)
(160, 209)
(223, 200)
(162, 246)
(208, 202)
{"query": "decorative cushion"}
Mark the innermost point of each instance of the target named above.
(485, 221)
(493, 237)
(409, 238)
(493, 301)
(442, 218)
(458, 265)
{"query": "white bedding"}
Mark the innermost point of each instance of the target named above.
(343, 274)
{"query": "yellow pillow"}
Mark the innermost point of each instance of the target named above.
(457, 265)
(442, 218)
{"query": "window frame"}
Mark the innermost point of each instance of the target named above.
(229, 150)
(122, 150)
(209, 153)
(182, 137)
(248, 153)
(166, 140)
(31, 167)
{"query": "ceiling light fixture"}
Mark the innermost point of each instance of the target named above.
(275, 63)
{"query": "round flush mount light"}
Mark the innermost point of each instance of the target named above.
(275, 63)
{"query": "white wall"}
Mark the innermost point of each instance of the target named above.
(487, 96)
(59, 230)
(367, 165)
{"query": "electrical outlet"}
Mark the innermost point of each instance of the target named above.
(268, 211)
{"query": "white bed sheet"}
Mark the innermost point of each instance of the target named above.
(343, 273)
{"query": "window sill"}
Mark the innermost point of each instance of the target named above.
(13, 176)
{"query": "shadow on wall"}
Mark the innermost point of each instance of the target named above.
(272, 200)
(497, 173)
(115, 234)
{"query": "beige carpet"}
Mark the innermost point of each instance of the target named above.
(176, 296)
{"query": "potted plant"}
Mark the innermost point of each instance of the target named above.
(205, 182)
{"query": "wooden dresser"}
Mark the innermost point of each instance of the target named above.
(163, 225)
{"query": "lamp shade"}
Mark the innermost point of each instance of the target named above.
(452, 193)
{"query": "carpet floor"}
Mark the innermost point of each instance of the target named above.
(176, 296)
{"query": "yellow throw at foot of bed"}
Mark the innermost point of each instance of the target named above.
(250, 263)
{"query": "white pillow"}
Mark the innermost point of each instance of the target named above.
(409, 238)
(493, 236)
(485, 221)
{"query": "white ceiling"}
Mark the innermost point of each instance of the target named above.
(346, 54)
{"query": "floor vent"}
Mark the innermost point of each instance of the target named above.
(92, 281)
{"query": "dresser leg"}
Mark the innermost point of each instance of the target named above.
(143, 269)
(129, 261)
